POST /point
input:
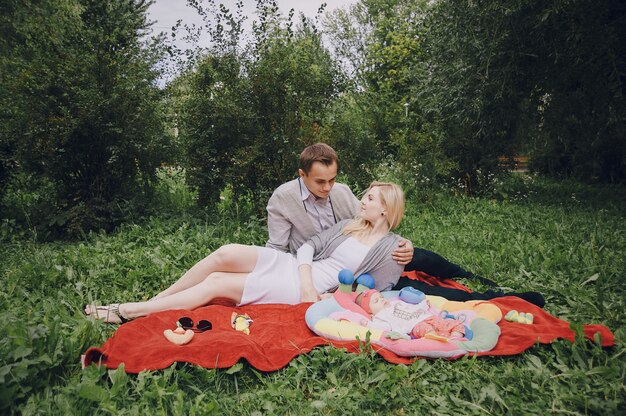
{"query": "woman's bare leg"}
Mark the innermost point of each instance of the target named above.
(217, 285)
(234, 258)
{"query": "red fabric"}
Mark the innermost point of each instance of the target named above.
(279, 333)
(435, 281)
(516, 338)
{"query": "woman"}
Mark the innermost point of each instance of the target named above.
(250, 274)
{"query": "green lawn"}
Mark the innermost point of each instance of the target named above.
(565, 240)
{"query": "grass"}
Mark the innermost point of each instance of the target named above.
(564, 239)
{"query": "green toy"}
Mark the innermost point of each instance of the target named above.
(346, 279)
(364, 282)
(519, 317)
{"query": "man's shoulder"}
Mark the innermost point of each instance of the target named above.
(286, 189)
(341, 187)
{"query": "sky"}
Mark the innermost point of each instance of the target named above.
(165, 13)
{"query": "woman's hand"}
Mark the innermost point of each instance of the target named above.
(309, 295)
(307, 290)
(404, 253)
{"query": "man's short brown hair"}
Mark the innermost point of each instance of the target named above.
(318, 152)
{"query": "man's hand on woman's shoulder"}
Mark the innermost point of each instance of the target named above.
(404, 253)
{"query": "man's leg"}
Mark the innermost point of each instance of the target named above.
(435, 265)
(446, 292)
(535, 298)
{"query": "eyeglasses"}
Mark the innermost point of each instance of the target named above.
(187, 323)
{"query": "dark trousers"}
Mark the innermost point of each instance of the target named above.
(435, 265)
(446, 292)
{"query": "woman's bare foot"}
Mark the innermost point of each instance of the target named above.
(109, 313)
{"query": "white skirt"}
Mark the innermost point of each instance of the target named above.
(275, 279)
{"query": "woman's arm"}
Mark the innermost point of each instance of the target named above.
(322, 245)
(380, 265)
(307, 290)
(305, 271)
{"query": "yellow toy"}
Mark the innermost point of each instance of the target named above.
(241, 322)
(436, 337)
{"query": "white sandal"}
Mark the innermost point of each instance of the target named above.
(113, 309)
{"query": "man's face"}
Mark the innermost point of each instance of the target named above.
(320, 179)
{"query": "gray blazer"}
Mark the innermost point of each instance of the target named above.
(288, 223)
(378, 261)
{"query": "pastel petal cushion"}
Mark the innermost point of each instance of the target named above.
(482, 318)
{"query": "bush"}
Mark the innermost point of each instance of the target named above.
(81, 112)
(247, 112)
(28, 202)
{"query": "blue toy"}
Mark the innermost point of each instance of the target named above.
(411, 295)
(364, 282)
(346, 278)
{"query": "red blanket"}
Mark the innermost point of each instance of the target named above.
(279, 333)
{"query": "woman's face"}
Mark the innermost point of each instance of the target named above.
(372, 208)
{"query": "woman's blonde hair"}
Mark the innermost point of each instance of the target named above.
(392, 198)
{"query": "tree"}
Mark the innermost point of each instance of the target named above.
(248, 110)
(529, 76)
(293, 82)
(216, 122)
(380, 43)
(579, 110)
(454, 85)
(473, 93)
(84, 113)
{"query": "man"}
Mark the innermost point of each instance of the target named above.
(313, 202)
(309, 204)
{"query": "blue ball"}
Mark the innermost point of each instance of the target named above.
(411, 295)
(366, 280)
(346, 277)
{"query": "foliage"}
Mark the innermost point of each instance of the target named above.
(442, 89)
(472, 95)
(81, 113)
(346, 129)
(533, 77)
(246, 111)
(27, 198)
(580, 111)
(394, 60)
(381, 44)
(171, 193)
(215, 122)
(570, 249)
(454, 85)
(294, 81)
